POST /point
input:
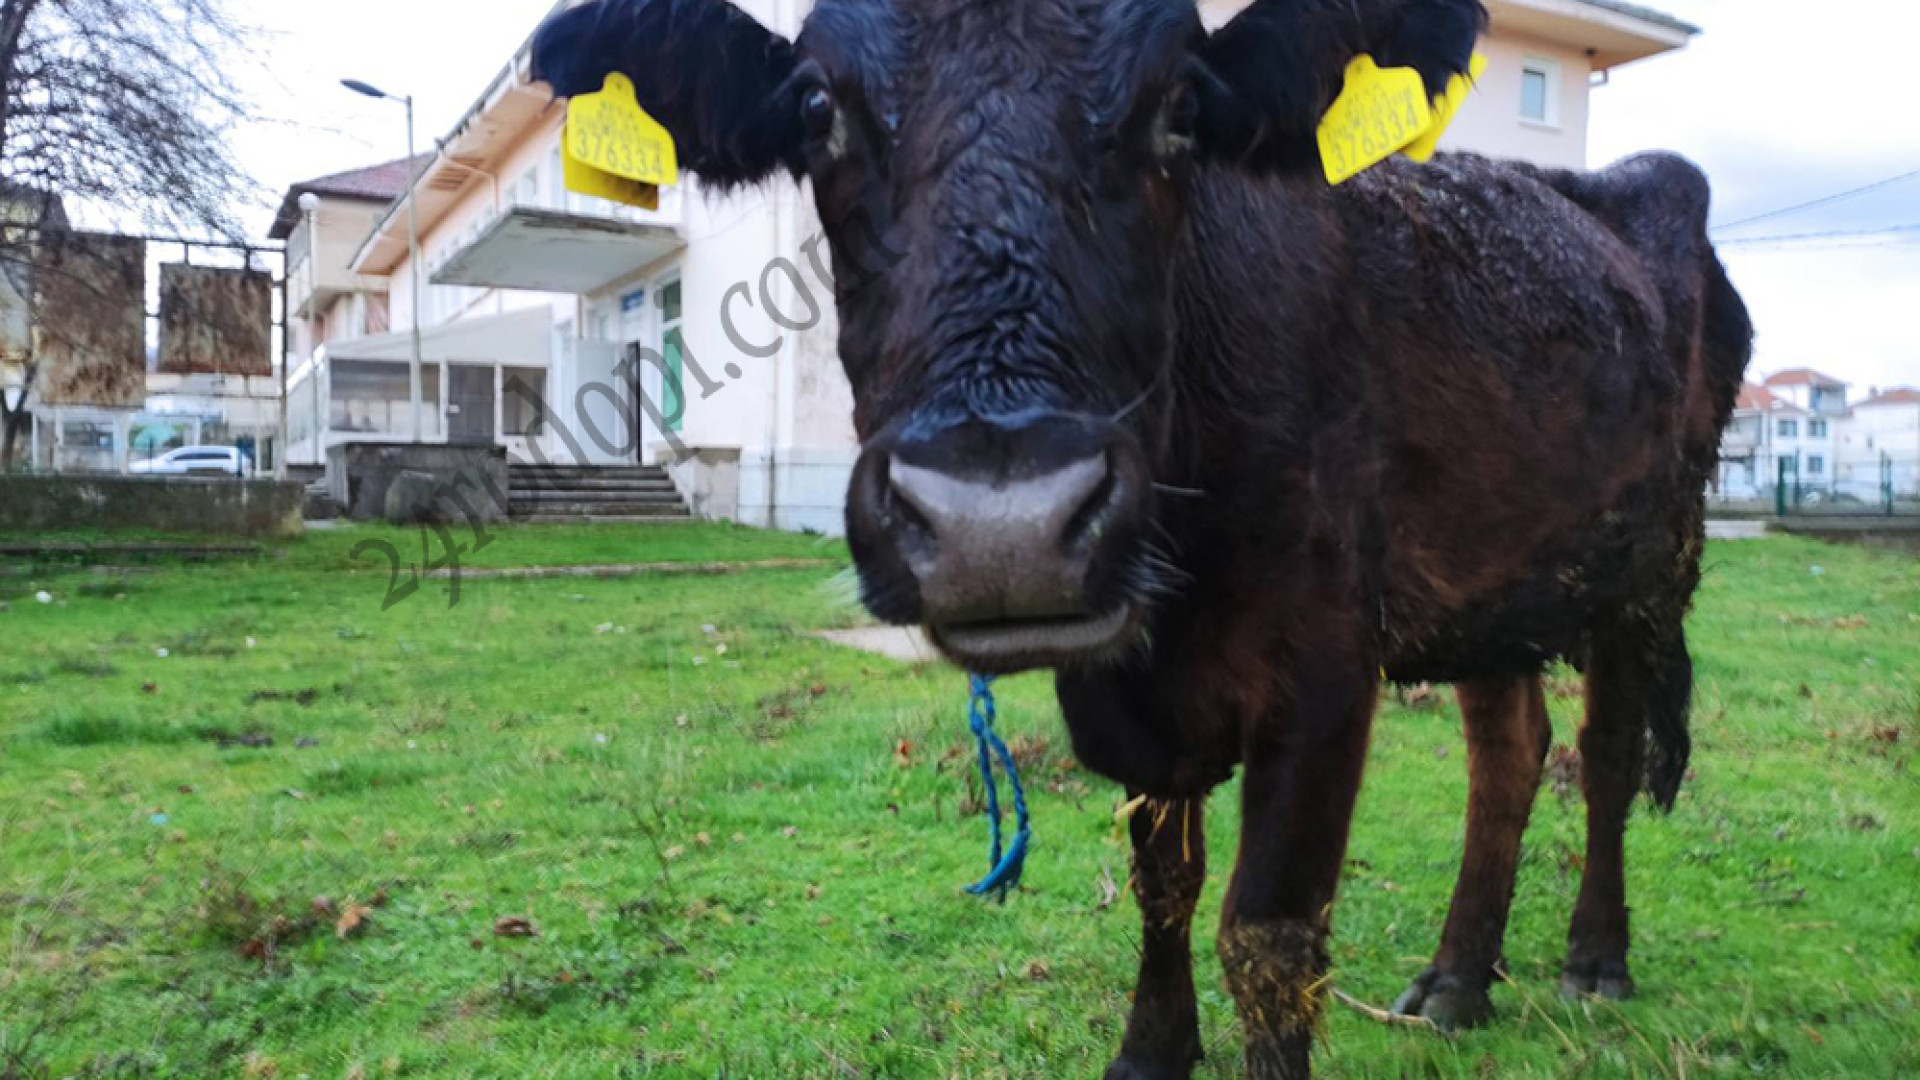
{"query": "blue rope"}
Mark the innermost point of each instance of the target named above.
(1006, 866)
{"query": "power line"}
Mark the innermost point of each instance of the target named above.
(1836, 234)
(1796, 208)
(1831, 245)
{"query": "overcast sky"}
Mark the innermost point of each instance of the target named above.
(1781, 101)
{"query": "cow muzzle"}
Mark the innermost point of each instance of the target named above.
(1009, 541)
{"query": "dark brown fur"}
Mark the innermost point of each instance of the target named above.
(1489, 453)
(1450, 422)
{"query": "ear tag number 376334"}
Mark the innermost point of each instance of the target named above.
(1383, 111)
(613, 150)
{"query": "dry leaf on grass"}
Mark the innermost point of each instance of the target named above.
(353, 919)
(514, 926)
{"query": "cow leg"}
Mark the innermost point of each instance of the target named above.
(1507, 737)
(1302, 774)
(1633, 677)
(1169, 869)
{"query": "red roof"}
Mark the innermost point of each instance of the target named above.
(1759, 399)
(1801, 376)
(374, 183)
(1897, 395)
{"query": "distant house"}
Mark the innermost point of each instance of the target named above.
(1811, 390)
(1880, 444)
(535, 296)
(325, 298)
(1798, 425)
(323, 222)
(1803, 433)
(1773, 435)
(1745, 447)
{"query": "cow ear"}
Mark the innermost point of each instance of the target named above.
(1266, 78)
(715, 79)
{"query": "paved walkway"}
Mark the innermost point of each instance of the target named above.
(904, 643)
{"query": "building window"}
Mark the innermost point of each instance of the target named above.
(1816, 465)
(1788, 429)
(1539, 91)
(1816, 429)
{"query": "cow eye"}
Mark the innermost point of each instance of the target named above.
(816, 112)
(1183, 113)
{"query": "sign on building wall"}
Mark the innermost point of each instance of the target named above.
(215, 320)
(16, 325)
(90, 317)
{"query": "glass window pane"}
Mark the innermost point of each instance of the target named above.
(670, 301)
(1533, 95)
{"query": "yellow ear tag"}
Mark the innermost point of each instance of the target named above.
(583, 179)
(1446, 107)
(612, 149)
(1378, 112)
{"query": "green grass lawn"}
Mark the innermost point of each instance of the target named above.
(307, 841)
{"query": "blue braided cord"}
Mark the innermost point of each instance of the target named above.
(1005, 865)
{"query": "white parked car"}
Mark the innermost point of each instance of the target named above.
(197, 460)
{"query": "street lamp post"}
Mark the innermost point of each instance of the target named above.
(413, 243)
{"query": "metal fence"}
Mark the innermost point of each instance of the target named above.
(1884, 495)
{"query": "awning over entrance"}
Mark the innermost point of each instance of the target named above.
(522, 338)
(557, 251)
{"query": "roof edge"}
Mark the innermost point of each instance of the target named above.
(1646, 14)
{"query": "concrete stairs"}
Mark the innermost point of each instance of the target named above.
(590, 493)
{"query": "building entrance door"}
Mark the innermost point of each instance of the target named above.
(469, 404)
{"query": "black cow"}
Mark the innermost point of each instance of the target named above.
(1143, 400)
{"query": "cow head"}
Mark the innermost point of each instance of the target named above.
(1003, 183)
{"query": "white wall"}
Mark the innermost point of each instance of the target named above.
(478, 204)
(1491, 123)
(751, 286)
(1871, 431)
(1803, 445)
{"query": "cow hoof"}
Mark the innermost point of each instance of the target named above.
(1128, 1069)
(1449, 1002)
(1596, 978)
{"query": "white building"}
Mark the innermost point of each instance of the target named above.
(1880, 444)
(1803, 435)
(535, 296)
(1797, 425)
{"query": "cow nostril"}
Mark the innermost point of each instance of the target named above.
(899, 505)
(1090, 519)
